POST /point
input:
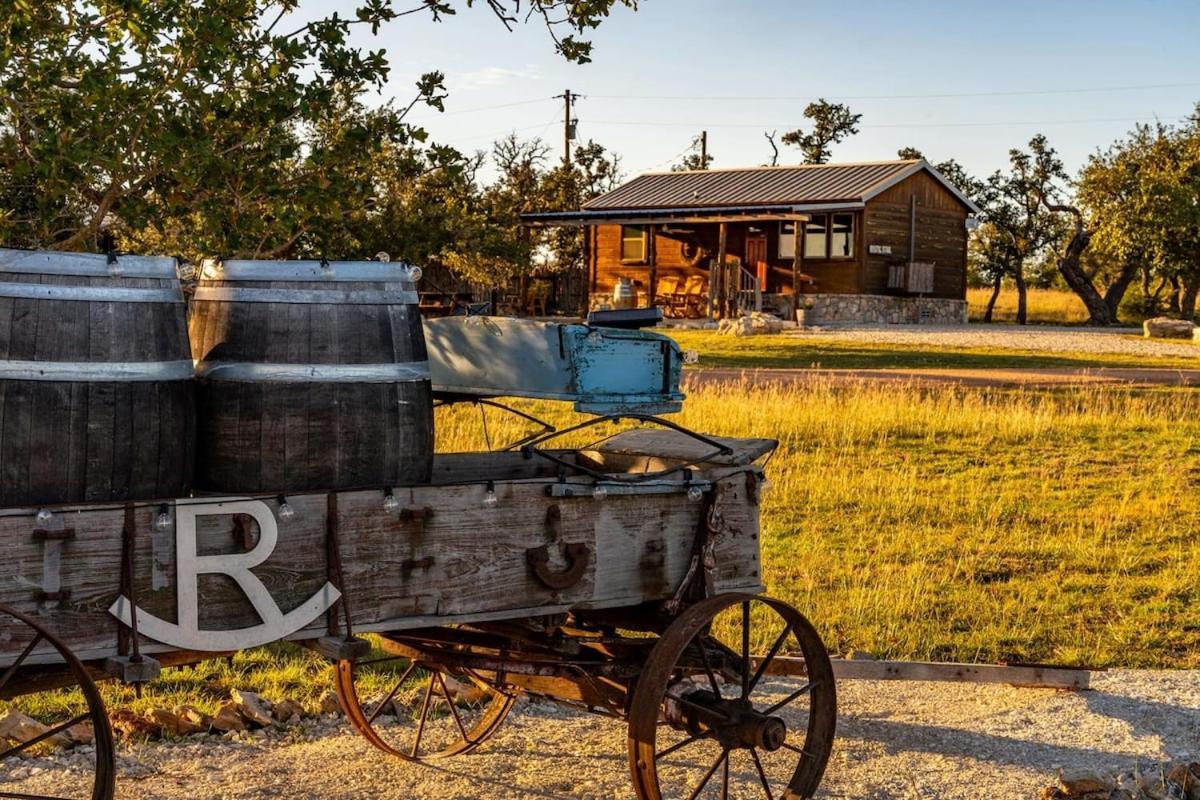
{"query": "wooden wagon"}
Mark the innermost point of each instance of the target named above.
(621, 577)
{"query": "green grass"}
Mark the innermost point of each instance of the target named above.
(784, 351)
(944, 523)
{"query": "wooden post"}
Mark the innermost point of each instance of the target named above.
(652, 258)
(589, 279)
(797, 256)
(716, 275)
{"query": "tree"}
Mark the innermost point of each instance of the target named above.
(697, 157)
(831, 123)
(211, 117)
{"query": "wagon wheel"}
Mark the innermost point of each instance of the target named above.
(97, 782)
(450, 714)
(699, 708)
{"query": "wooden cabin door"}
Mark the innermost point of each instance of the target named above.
(756, 257)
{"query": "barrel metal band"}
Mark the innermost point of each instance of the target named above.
(334, 271)
(313, 373)
(379, 297)
(96, 294)
(42, 262)
(96, 371)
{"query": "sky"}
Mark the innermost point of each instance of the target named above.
(967, 80)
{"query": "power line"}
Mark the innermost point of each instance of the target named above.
(934, 96)
(754, 125)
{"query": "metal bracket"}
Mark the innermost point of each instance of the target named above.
(417, 515)
(340, 648)
(133, 669)
(578, 555)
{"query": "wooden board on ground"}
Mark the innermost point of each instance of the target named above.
(1023, 675)
(646, 449)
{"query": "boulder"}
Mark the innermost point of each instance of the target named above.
(1183, 781)
(132, 725)
(330, 704)
(195, 718)
(1167, 328)
(1084, 785)
(20, 728)
(255, 708)
(288, 711)
(752, 324)
(228, 718)
(178, 723)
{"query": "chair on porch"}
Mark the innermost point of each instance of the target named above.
(667, 296)
(695, 296)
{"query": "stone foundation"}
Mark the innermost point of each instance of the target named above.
(874, 309)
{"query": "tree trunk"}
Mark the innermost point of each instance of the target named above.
(1022, 295)
(1187, 300)
(1116, 290)
(991, 304)
(1078, 280)
(1176, 291)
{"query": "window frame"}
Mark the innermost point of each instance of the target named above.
(827, 252)
(644, 236)
(805, 239)
(853, 235)
(789, 237)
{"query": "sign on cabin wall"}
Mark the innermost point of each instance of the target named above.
(880, 249)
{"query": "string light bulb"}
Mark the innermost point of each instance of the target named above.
(695, 494)
(162, 521)
(44, 516)
(390, 503)
(285, 508)
(599, 492)
(383, 256)
(490, 500)
(415, 273)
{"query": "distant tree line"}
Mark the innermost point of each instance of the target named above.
(228, 128)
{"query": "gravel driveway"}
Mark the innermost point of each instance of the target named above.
(1050, 339)
(896, 740)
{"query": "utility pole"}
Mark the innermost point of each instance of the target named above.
(703, 149)
(568, 124)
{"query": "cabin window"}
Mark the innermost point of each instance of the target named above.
(816, 236)
(633, 243)
(787, 240)
(826, 236)
(841, 238)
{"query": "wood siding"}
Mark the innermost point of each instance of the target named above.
(941, 235)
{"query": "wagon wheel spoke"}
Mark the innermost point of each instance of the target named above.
(798, 750)
(12, 670)
(392, 694)
(805, 689)
(708, 670)
(453, 709)
(708, 775)
(725, 779)
(770, 656)
(762, 776)
(745, 649)
(424, 715)
(44, 735)
(682, 744)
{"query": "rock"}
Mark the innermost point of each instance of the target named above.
(132, 725)
(179, 722)
(1084, 784)
(1167, 328)
(20, 728)
(253, 707)
(81, 733)
(228, 719)
(288, 711)
(330, 704)
(195, 719)
(1183, 781)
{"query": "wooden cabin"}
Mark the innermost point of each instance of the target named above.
(870, 242)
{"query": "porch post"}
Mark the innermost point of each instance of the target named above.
(717, 275)
(797, 258)
(652, 257)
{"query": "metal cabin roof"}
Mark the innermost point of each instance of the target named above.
(806, 184)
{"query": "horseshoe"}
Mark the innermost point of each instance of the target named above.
(577, 556)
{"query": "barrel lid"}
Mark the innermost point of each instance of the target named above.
(333, 271)
(50, 262)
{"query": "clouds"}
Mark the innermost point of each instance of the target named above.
(492, 77)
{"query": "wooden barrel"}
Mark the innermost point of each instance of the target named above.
(313, 375)
(96, 399)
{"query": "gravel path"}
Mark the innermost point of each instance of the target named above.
(1046, 338)
(896, 740)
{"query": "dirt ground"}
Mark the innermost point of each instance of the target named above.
(895, 740)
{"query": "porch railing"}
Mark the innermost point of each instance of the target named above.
(749, 291)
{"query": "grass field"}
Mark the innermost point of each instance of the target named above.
(765, 352)
(1045, 306)
(947, 524)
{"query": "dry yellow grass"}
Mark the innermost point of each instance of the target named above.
(1045, 306)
